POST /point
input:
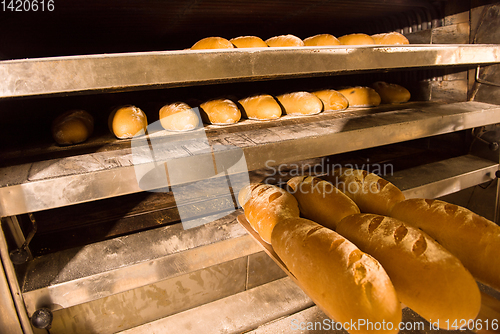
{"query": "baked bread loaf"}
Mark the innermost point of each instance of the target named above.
(321, 40)
(72, 127)
(178, 116)
(220, 112)
(347, 284)
(265, 205)
(473, 239)
(332, 100)
(391, 93)
(371, 193)
(356, 39)
(284, 40)
(300, 103)
(427, 278)
(248, 42)
(391, 38)
(260, 107)
(212, 43)
(361, 96)
(320, 201)
(127, 122)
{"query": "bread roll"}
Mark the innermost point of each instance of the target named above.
(220, 111)
(212, 43)
(127, 122)
(284, 40)
(371, 193)
(300, 103)
(248, 42)
(356, 39)
(332, 100)
(473, 239)
(178, 116)
(265, 205)
(72, 127)
(361, 96)
(391, 93)
(320, 201)
(427, 278)
(391, 38)
(347, 284)
(321, 40)
(261, 107)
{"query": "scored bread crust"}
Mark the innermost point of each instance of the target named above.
(265, 205)
(370, 192)
(127, 122)
(427, 277)
(344, 282)
(473, 239)
(320, 201)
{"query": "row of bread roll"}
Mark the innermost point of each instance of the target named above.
(346, 283)
(427, 277)
(76, 126)
(392, 38)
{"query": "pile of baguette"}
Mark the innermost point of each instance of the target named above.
(360, 250)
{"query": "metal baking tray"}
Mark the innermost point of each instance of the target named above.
(145, 70)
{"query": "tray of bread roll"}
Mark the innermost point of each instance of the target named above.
(360, 250)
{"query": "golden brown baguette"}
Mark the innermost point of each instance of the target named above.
(265, 205)
(473, 239)
(427, 278)
(320, 201)
(371, 193)
(347, 284)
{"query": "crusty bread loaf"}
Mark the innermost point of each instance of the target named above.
(178, 116)
(320, 201)
(371, 193)
(347, 284)
(391, 38)
(473, 239)
(127, 122)
(265, 205)
(391, 93)
(284, 40)
(261, 107)
(72, 127)
(220, 111)
(356, 39)
(427, 278)
(332, 100)
(321, 40)
(300, 103)
(212, 43)
(248, 42)
(361, 96)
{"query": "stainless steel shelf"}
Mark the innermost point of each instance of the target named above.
(76, 179)
(132, 71)
(170, 252)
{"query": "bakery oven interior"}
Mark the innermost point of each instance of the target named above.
(84, 243)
